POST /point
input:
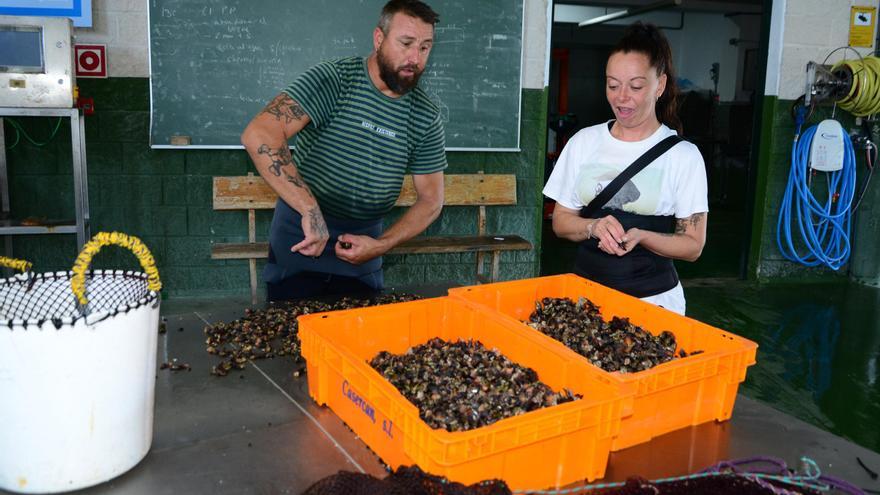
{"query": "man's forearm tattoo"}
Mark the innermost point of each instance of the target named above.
(298, 181)
(285, 108)
(280, 157)
(319, 227)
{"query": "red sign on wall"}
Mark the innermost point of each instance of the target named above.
(91, 60)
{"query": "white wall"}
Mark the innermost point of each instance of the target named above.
(122, 26)
(810, 30)
(536, 41)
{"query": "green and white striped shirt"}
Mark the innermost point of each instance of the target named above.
(360, 142)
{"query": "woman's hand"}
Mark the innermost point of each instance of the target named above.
(611, 235)
(632, 238)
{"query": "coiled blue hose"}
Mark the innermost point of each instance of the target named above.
(824, 228)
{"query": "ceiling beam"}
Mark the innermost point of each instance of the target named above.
(710, 6)
(662, 4)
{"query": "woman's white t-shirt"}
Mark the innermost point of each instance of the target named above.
(673, 184)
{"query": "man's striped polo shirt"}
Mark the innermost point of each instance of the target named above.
(360, 142)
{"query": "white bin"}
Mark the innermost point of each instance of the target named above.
(76, 392)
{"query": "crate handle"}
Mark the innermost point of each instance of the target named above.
(91, 248)
(16, 264)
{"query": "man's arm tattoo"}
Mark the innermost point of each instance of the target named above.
(285, 108)
(298, 181)
(319, 227)
(280, 157)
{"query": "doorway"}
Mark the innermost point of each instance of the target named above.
(715, 51)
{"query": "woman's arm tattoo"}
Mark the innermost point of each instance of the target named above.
(681, 224)
(694, 221)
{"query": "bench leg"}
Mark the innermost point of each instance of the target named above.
(252, 264)
(496, 264)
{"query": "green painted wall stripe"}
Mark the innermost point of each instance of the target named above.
(164, 197)
(763, 170)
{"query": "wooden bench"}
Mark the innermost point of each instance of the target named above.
(251, 193)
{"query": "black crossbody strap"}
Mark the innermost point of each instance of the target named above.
(641, 162)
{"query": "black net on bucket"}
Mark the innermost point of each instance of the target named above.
(37, 298)
(406, 480)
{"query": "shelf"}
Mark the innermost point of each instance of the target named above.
(38, 112)
(81, 227)
(16, 227)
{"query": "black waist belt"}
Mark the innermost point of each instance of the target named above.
(639, 273)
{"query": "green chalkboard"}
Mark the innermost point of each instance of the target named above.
(214, 64)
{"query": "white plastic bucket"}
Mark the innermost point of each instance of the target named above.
(76, 392)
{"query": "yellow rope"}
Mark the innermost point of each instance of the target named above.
(15, 264)
(132, 243)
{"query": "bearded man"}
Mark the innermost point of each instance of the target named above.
(361, 124)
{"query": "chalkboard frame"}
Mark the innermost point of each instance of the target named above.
(519, 88)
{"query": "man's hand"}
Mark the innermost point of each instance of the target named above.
(357, 249)
(316, 234)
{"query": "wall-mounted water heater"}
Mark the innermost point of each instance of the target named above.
(36, 62)
(826, 150)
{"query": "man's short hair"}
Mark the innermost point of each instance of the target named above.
(413, 8)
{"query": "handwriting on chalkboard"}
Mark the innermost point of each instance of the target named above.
(215, 63)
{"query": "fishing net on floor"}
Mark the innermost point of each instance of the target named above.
(406, 480)
(751, 476)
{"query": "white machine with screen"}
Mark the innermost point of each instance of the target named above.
(36, 62)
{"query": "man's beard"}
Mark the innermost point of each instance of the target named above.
(392, 78)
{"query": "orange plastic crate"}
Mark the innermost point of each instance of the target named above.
(673, 395)
(549, 447)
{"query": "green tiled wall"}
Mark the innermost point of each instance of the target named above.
(766, 262)
(164, 197)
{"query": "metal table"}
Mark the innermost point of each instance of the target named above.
(80, 179)
(257, 431)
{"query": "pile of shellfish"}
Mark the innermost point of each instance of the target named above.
(273, 332)
(462, 385)
(616, 345)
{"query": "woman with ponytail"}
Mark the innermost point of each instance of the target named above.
(654, 212)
